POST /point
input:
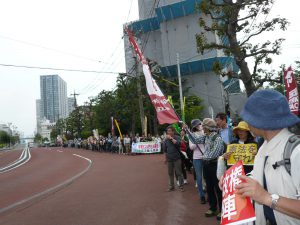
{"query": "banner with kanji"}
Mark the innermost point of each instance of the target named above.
(235, 208)
(291, 90)
(244, 152)
(146, 147)
(165, 112)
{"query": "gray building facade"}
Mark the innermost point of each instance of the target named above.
(53, 102)
(169, 28)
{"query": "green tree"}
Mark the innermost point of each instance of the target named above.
(228, 19)
(15, 139)
(194, 108)
(60, 126)
(279, 76)
(38, 138)
(45, 139)
(122, 104)
(53, 134)
(4, 138)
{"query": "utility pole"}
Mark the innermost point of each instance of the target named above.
(77, 113)
(139, 92)
(180, 85)
(91, 112)
(75, 101)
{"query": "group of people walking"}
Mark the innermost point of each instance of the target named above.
(266, 119)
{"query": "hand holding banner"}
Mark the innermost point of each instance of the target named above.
(244, 152)
(235, 209)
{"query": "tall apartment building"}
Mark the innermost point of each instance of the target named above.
(170, 27)
(54, 101)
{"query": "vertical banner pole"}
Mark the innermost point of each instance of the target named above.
(180, 85)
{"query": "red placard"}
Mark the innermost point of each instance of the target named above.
(235, 209)
(291, 90)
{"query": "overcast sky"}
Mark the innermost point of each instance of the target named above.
(82, 33)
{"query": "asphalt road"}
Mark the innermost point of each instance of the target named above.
(9, 156)
(116, 190)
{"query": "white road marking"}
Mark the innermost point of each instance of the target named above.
(52, 189)
(59, 151)
(25, 154)
(89, 160)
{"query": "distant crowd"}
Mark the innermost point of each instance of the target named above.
(112, 144)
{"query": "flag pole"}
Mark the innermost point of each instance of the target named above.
(180, 84)
(284, 90)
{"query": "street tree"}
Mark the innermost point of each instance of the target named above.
(231, 20)
(279, 76)
(4, 138)
(38, 138)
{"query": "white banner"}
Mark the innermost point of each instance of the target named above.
(146, 147)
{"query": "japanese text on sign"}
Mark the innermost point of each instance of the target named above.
(146, 147)
(244, 152)
(235, 209)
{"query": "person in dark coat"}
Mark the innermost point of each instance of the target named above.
(173, 158)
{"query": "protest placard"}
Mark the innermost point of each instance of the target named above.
(244, 152)
(146, 147)
(235, 209)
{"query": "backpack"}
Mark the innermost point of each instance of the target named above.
(291, 144)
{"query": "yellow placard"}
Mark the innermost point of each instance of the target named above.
(244, 152)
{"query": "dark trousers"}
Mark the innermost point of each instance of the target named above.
(183, 170)
(212, 185)
(175, 166)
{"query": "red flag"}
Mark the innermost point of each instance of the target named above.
(291, 90)
(165, 112)
(235, 209)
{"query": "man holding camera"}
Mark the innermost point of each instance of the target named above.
(171, 147)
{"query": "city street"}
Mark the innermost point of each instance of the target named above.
(114, 190)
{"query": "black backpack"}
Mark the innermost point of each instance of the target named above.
(291, 144)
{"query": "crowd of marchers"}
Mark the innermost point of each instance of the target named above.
(111, 143)
(272, 183)
(199, 155)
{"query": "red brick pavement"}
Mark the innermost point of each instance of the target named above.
(117, 190)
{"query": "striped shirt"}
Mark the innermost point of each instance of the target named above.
(214, 146)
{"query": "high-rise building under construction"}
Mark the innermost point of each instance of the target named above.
(167, 28)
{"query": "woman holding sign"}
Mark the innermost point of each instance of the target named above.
(240, 148)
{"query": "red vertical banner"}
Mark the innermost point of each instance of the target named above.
(164, 110)
(235, 209)
(291, 90)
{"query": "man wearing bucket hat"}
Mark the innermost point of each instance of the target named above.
(274, 190)
(214, 147)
